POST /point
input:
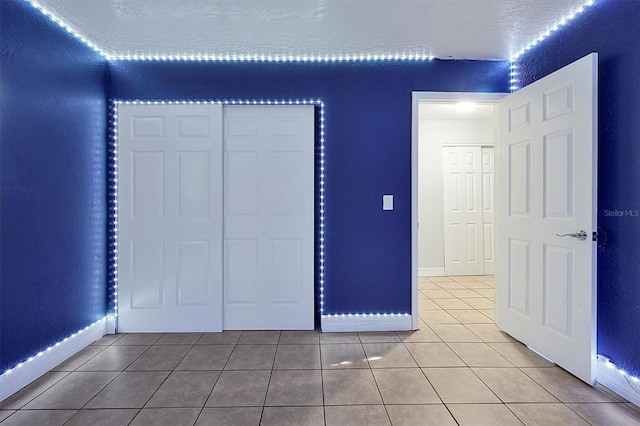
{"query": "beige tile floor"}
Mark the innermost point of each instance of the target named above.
(457, 369)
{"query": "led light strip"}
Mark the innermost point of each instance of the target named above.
(362, 57)
(513, 74)
(50, 348)
(623, 373)
(66, 27)
(113, 231)
(364, 315)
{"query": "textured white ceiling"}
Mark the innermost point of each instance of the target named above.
(458, 29)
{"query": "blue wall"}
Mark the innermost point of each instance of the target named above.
(368, 150)
(612, 29)
(52, 183)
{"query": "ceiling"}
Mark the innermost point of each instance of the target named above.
(445, 29)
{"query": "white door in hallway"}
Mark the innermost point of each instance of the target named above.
(269, 217)
(170, 220)
(546, 283)
(463, 214)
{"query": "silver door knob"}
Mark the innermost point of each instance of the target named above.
(580, 235)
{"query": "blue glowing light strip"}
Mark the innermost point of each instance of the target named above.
(66, 27)
(114, 174)
(50, 348)
(361, 57)
(329, 316)
(513, 74)
(622, 372)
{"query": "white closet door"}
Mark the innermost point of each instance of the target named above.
(463, 226)
(488, 209)
(170, 220)
(269, 217)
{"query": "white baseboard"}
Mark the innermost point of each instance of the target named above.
(356, 322)
(609, 376)
(431, 272)
(19, 377)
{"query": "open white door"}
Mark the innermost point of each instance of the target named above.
(463, 214)
(170, 220)
(546, 283)
(268, 219)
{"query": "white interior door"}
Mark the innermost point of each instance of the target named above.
(269, 217)
(546, 284)
(463, 227)
(488, 209)
(170, 220)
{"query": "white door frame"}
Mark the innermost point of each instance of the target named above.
(416, 99)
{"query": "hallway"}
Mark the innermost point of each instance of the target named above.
(458, 369)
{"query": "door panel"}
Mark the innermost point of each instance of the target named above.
(488, 209)
(463, 213)
(545, 284)
(170, 223)
(269, 199)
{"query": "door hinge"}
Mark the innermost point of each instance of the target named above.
(594, 236)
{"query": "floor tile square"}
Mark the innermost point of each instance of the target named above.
(206, 357)
(426, 304)
(245, 416)
(259, 337)
(184, 389)
(479, 355)
(483, 414)
(299, 337)
(605, 414)
(479, 302)
(423, 415)
(459, 385)
(424, 335)
(5, 413)
(143, 339)
(80, 358)
(108, 339)
(350, 387)
(475, 284)
(38, 417)
(160, 357)
(489, 313)
(292, 416)
(519, 355)
(470, 317)
(437, 317)
(32, 390)
(166, 417)
(112, 416)
(465, 293)
(490, 333)
(226, 337)
(564, 386)
(512, 385)
(404, 386)
(486, 292)
(455, 333)
(452, 304)
(464, 278)
(356, 415)
(73, 391)
(113, 358)
(295, 387)
(330, 338)
(240, 388)
(378, 337)
(439, 279)
(428, 286)
(546, 414)
(129, 390)
(388, 355)
(434, 355)
(451, 285)
(438, 294)
(347, 355)
(179, 339)
(252, 357)
(302, 357)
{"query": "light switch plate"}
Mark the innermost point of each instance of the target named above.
(387, 202)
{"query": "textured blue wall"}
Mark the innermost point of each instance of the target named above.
(611, 28)
(368, 150)
(52, 183)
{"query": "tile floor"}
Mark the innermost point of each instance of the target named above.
(457, 369)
